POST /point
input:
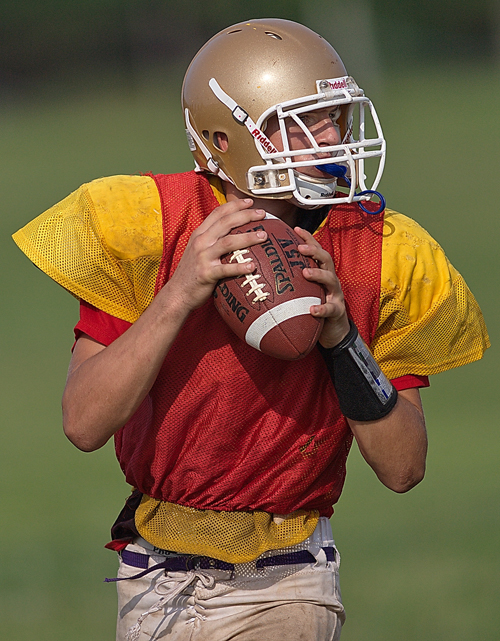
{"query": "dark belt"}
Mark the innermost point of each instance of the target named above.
(187, 562)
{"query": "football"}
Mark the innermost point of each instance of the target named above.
(269, 308)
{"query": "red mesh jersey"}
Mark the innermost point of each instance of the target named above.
(226, 427)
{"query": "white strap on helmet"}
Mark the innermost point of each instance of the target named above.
(241, 116)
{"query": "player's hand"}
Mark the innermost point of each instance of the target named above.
(200, 267)
(333, 310)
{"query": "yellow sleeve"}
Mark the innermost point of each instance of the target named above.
(429, 320)
(103, 243)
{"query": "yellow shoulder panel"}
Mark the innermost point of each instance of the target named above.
(414, 266)
(429, 320)
(103, 243)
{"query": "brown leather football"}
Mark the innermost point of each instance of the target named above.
(269, 308)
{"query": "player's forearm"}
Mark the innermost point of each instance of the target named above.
(396, 446)
(106, 385)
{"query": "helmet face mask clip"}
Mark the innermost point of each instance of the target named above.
(260, 86)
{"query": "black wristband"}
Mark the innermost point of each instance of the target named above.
(364, 392)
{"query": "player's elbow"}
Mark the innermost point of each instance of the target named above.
(77, 433)
(80, 439)
(406, 480)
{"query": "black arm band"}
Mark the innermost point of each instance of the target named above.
(364, 392)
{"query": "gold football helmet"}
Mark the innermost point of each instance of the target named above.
(266, 68)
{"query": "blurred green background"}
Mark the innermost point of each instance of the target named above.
(92, 88)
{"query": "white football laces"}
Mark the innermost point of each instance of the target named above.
(252, 279)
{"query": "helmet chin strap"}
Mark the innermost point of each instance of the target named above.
(340, 171)
(308, 188)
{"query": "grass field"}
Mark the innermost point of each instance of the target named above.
(422, 566)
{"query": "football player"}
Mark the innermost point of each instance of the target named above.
(236, 458)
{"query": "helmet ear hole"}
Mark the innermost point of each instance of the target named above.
(205, 133)
(220, 141)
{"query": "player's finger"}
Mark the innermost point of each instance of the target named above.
(234, 242)
(307, 237)
(319, 255)
(210, 251)
(224, 225)
(324, 277)
(219, 237)
(232, 270)
(228, 216)
(223, 210)
(313, 249)
(327, 310)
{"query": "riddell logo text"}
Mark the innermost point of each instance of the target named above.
(265, 142)
(338, 84)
